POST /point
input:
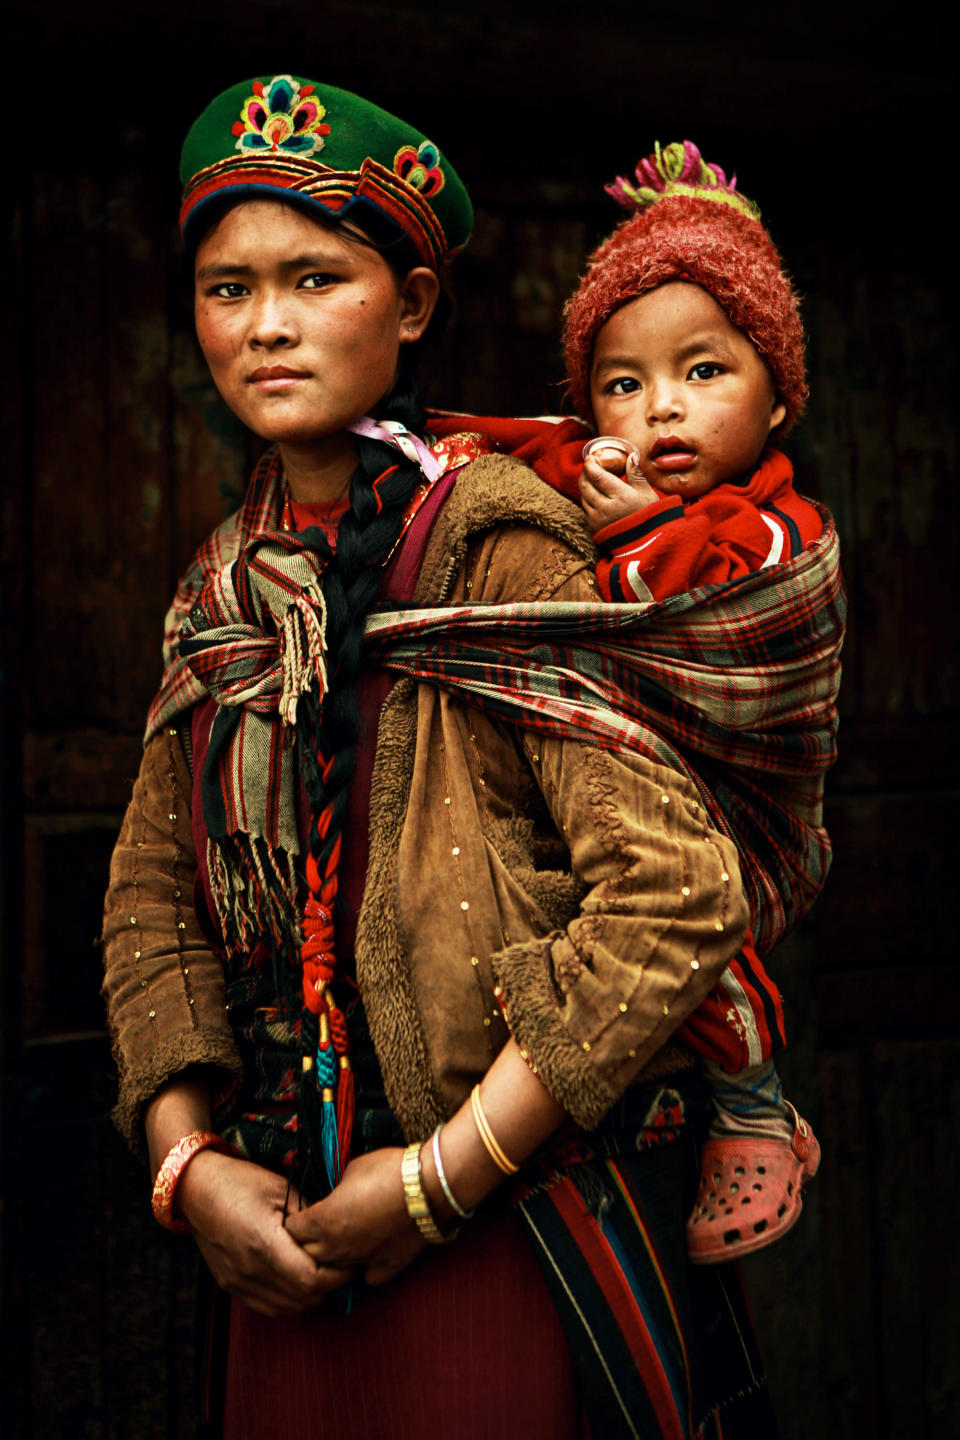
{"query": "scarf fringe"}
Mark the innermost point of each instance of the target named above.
(255, 889)
(303, 652)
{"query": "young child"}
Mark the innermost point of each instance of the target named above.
(684, 349)
(684, 346)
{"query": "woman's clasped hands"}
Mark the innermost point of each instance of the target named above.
(363, 1224)
(281, 1257)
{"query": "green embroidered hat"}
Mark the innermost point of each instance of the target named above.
(326, 147)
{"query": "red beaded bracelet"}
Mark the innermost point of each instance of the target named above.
(173, 1167)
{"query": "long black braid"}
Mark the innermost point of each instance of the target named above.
(327, 732)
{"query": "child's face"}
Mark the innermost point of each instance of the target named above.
(675, 378)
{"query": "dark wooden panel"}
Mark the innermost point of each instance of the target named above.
(889, 897)
(106, 1317)
(847, 1255)
(101, 523)
(917, 1094)
(914, 1002)
(896, 755)
(79, 770)
(67, 863)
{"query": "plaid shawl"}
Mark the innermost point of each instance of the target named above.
(733, 686)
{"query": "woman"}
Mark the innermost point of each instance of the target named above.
(389, 942)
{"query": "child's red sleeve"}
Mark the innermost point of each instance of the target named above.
(668, 547)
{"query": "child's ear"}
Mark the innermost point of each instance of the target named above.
(777, 415)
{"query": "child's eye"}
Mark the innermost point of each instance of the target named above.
(625, 385)
(318, 281)
(706, 370)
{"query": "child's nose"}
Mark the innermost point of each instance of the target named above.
(663, 402)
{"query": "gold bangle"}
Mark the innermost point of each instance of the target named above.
(490, 1142)
(418, 1206)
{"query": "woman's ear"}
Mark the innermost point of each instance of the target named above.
(418, 295)
(777, 414)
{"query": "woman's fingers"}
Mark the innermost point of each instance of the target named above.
(236, 1212)
(364, 1221)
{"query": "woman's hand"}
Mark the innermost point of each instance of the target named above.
(235, 1210)
(363, 1222)
(607, 493)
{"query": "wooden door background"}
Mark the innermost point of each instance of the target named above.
(120, 457)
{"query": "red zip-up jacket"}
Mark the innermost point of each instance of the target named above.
(674, 545)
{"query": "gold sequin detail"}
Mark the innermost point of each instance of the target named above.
(176, 888)
(456, 853)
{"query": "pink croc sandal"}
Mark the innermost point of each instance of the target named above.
(750, 1193)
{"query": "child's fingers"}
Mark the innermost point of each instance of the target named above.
(601, 486)
(606, 475)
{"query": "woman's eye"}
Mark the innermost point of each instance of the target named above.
(706, 370)
(625, 385)
(318, 281)
(229, 290)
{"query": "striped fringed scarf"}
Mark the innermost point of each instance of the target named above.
(255, 639)
(734, 686)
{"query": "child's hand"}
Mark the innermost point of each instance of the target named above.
(607, 495)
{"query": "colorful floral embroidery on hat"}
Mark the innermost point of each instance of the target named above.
(281, 118)
(420, 168)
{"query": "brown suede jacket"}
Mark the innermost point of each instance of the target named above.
(589, 885)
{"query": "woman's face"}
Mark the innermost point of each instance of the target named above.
(301, 325)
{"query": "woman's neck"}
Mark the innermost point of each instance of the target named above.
(319, 472)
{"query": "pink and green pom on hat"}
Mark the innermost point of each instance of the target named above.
(324, 147)
(689, 223)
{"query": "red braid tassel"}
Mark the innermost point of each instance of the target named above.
(346, 1109)
(334, 1076)
(346, 1089)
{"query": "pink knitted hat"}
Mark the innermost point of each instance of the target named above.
(691, 224)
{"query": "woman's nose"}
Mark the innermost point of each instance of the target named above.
(272, 323)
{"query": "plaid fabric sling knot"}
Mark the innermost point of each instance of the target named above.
(257, 635)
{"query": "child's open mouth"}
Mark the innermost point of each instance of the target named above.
(671, 454)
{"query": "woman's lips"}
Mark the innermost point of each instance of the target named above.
(276, 378)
